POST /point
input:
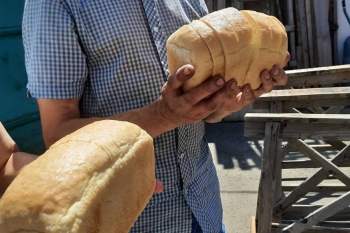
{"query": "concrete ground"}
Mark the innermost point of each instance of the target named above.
(238, 161)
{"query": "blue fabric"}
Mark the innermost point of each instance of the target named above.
(112, 55)
(196, 228)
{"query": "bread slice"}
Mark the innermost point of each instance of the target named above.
(213, 44)
(186, 46)
(282, 51)
(97, 179)
(243, 29)
(262, 39)
(228, 38)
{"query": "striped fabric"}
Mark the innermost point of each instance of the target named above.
(112, 55)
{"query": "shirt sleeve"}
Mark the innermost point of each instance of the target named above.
(55, 62)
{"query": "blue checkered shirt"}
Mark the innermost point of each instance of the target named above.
(112, 54)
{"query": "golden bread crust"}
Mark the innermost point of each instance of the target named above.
(250, 42)
(97, 179)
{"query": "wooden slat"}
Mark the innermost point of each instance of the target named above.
(277, 227)
(299, 211)
(336, 119)
(304, 94)
(303, 33)
(322, 37)
(291, 35)
(290, 106)
(304, 188)
(307, 164)
(318, 76)
(323, 131)
(329, 166)
(310, 31)
(319, 188)
(320, 214)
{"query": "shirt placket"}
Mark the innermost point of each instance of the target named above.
(184, 157)
(158, 34)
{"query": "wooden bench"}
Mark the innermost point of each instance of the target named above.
(306, 131)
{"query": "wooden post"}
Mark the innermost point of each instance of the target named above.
(324, 49)
(267, 186)
(303, 42)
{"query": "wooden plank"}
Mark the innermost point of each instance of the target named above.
(319, 215)
(334, 109)
(303, 33)
(330, 167)
(336, 119)
(319, 188)
(299, 211)
(268, 177)
(323, 131)
(318, 76)
(289, 106)
(324, 47)
(221, 4)
(315, 229)
(307, 164)
(309, 24)
(334, 70)
(338, 145)
(210, 5)
(280, 207)
(307, 94)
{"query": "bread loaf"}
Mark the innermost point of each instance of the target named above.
(97, 179)
(231, 43)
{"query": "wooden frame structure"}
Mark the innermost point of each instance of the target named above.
(305, 129)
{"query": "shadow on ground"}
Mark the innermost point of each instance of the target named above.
(232, 149)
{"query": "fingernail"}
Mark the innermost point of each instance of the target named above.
(275, 71)
(187, 71)
(233, 85)
(220, 82)
(267, 77)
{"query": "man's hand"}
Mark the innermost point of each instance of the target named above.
(180, 108)
(234, 98)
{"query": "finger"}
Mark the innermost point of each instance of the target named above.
(279, 76)
(267, 82)
(204, 90)
(181, 76)
(224, 100)
(159, 186)
(248, 95)
(286, 60)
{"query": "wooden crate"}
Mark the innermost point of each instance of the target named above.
(305, 129)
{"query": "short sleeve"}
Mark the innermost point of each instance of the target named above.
(55, 62)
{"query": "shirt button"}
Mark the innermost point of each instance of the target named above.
(182, 155)
(156, 29)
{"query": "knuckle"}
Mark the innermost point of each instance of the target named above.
(189, 98)
(213, 105)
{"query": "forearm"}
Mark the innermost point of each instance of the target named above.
(146, 117)
(12, 168)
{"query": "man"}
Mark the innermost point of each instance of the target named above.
(92, 60)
